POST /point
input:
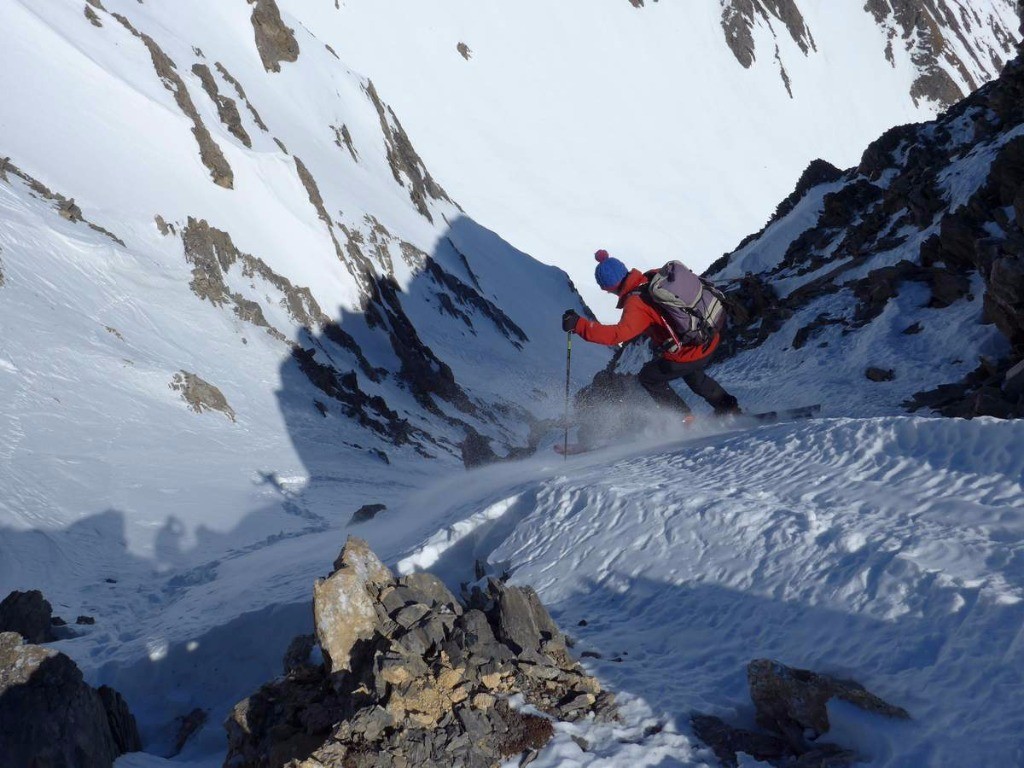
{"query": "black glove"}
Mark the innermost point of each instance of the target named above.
(569, 320)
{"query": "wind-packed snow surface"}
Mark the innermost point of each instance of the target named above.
(886, 550)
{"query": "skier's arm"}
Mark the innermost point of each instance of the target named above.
(634, 321)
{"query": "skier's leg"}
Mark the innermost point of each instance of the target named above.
(712, 392)
(655, 377)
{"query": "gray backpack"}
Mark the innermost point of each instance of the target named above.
(693, 309)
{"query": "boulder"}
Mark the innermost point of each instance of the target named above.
(343, 603)
(880, 374)
(50, 717)
(727, 742)
(792, 702)
(426, 679)
(366, 513)
(28, 614)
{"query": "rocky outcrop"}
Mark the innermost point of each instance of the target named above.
(229, 78)
(406, 165)
(64, 206)
(740, 16)
(209, 151)
(200, 394)
(213, 255)
(29, 614)
(904, 203)
(275, 40)
(953, 46)
(926, 29)
(792, 701)
(790, 705)
(50, 717)
(227, 110)
(413, 676)
(366, 513)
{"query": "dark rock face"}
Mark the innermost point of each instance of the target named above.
(50, 717)
(898, 200)
(122, 722)
(739, 17)
(274, 39)
(29, 614)
(414, 677)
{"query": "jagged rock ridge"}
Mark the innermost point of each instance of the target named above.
(411, 675)
(954, 45)
(940, 205)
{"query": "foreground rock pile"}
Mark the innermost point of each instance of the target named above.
(49, 716)
(412, 676)
(791, 705)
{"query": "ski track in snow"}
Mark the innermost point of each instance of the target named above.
(887, 550)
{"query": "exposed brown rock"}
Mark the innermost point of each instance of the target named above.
(200, 394)
(275, 41)
(739, 17)
(352, 257)
(464, 51)
(344, 139)
(923, 28)
(209, 151)
(406, 165)
(188, 726)
(163, 226)
(879, 374)
(65, 207)
(227, 110)
(241, 94)
(90, 14)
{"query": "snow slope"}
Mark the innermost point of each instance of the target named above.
(886, 549)
(593, 123)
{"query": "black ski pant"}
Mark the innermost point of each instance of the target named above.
(656, 375)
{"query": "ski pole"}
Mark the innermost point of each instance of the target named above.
(568, 364)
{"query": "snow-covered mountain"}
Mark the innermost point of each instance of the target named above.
(910, 264)
(225, 271)
(654, 129)
(236, 308)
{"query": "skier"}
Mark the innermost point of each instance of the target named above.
(639, 317)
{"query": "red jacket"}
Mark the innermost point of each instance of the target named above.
(639, 317)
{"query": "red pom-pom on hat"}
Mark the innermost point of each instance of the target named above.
(601, 255)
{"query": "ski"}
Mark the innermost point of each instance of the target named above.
(786, 414)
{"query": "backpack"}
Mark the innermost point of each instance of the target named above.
(692, 308)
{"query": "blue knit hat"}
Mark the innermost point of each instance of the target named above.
(610, 272)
